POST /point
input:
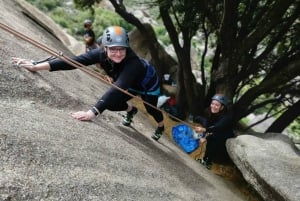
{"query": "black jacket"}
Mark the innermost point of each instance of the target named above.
(127, 74)
(220, 125)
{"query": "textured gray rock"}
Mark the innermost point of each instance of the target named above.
(270, 163)
(47, 155)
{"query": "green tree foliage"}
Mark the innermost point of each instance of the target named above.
(83, 4)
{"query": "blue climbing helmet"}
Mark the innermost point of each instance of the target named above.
(221, 98)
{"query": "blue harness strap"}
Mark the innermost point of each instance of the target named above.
(150, 74)
(154, 93)
(150, 83)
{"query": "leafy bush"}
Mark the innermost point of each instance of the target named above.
(46, 5)
(162, 35)
(294, 128)
(72, 19)
(60, 16)
(105, 18)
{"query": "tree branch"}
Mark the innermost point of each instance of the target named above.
(270, 20)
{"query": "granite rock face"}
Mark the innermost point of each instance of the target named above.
(46, 155)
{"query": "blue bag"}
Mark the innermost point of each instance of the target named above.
(183, 136)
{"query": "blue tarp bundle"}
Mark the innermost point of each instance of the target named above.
(183, 136)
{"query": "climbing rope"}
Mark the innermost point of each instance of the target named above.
(80, 66)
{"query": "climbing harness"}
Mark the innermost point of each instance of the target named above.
(150, 75)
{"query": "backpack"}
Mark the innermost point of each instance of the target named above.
(149, 77)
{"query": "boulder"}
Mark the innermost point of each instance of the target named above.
(270, 163)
